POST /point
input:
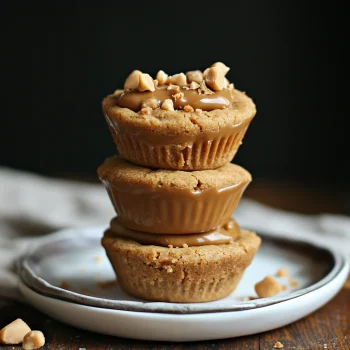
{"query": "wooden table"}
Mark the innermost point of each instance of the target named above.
(327, 328)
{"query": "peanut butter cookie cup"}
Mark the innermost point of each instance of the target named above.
(167, 201)
(183, 122)
(180, 275)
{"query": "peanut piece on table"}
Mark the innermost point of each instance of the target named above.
(132, 81)
(178, 79)
(146, 83)
(167, 105)
(14, 332)
(268, 287)
(33, 340)
(215, 78)
(195, 76)
(162, 77)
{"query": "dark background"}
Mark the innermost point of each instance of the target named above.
(60, 60)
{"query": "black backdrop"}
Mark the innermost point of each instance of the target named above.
(59, 61)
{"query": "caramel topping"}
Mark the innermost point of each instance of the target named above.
(222, 235)
(133, 99)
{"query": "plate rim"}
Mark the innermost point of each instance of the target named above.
(28, 276)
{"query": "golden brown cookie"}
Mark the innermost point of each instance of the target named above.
(168, 201)
(180, 275)
(180, 139)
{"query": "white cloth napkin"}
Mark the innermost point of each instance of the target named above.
(32, 206)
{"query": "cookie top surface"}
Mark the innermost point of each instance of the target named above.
(116, 170)
(179, 122)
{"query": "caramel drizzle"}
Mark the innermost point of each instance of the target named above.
(222, 235)
(134, 99)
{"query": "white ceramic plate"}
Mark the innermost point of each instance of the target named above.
(76, 258)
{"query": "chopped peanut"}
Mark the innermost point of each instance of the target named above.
(203, 89)
(278, 345)
(33, 340)
(162, 77)
(222, 67)
(194, 85)
(167, 105)
(178, 79)
(146, 110)
(188, 108)
(268, 287)
(195, 76)
(132, 81)
(151, 102)
(145, 83)
(175, 88)
(215, 79)
(14, 332)
(178, 96)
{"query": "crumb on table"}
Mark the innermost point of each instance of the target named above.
(278, 345)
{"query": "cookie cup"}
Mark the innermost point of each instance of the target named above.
(180, 275)
(180, 140)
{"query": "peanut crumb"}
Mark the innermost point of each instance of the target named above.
(188, 108)
(278, 345)
(155, 82)
(248, 298)
(98, 259)
(268, 287)
(14, 332)
(169, 269)
(194, 85)
(178, 96)
(162, 77)
(33, 340)
(107, 284)
(282, 272)
(146, 110)
(186, 88)
(198, 110)
(167, 105)
(185, 245)
(293, 282)
(170, 246)
(65, 285)
(151, 103)
(203, 89)
(175, 88)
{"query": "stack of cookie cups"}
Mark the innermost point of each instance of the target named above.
(174, 189)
